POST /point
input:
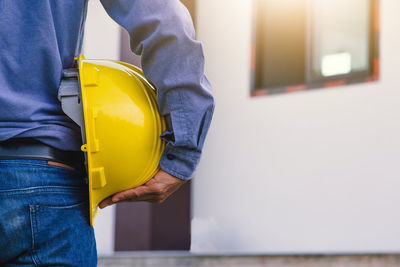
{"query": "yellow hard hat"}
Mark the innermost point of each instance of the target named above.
(121, 126)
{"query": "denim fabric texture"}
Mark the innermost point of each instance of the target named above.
(44, 216)
(38, 39)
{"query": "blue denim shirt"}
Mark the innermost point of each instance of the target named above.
(38, 40)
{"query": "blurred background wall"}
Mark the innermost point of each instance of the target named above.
(306, 172)
(315, 171)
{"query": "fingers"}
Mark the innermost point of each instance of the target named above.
(156, 190)
(150, 193)
(141, 193)
(134, 194)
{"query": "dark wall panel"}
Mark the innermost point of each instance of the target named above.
(171, 222)
(133, 227)
(144, 226)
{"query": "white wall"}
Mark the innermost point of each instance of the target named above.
(315, 171)
(102, 41)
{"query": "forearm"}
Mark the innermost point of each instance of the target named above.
(162, 32)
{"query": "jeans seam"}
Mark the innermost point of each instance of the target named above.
(33, 218)
(51, 189)
(61, 207)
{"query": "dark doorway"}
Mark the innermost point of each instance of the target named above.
(145, 226)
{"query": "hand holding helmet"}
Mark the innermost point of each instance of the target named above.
(156, 190)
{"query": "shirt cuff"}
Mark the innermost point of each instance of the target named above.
(179, 162)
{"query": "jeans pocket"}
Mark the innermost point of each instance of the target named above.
(62, 235)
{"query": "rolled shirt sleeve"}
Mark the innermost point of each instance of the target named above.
(162, 33)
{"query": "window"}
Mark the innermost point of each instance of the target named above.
(305, 44)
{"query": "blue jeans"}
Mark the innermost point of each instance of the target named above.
(44, 216)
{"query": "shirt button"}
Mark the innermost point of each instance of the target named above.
(171, 157)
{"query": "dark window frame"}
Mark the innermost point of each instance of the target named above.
(313, 82)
